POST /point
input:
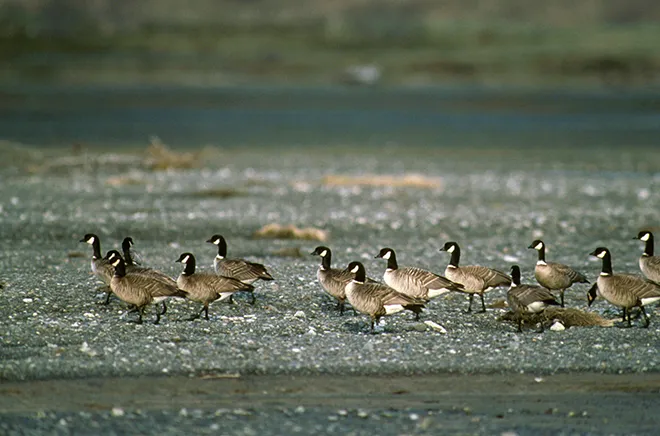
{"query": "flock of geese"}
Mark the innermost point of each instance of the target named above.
(404, 288)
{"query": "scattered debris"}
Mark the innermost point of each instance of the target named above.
(435, 326)
(218, 193)
(407, 180)
(557, 326)
(160, 157)
(568, 317)
(288, 252)
(290, 231)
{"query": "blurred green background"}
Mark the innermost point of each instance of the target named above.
(317, 42)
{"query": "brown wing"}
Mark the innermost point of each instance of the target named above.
(574, 276)
(491, 277)
(243, 270)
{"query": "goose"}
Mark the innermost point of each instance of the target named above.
(243, 270)
(155, 274)
(413, 281)
(375, 299)
(140, 290)
(332, 280)
(552, 275)
(622, 290)
(525, 299)
(206, 288)
(648, 263)
(475, 279)
(101, 268)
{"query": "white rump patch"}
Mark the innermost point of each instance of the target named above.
(649, 300)
(646, 237)
(538, 246)
(185, 259)
(436, 292)
(451, 249)
(224, 296)
(536, 306)
(541, 263)
(601, 254)
(324, 253)
(387, 255)
(393, 308)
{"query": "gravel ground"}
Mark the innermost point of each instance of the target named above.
(493, 202)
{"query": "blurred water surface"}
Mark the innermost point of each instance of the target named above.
(276, 116)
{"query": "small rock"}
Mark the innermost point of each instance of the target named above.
(557, 327)
(117, 412)
(27, 300)
(300, 409)
(299, 314)
(85, 348)
(362, 414)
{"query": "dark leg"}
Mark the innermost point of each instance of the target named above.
(520, 324)
(483, 304)
(140, 311)
(561, 295)
(132, 309)
(157, 320)
(417, 316)
(253, 299)
(340, 306)
(107, 298)
(164, 311)
(206, 311)
(647, 321)
(231, 299)
(470, 304)
(372, 326)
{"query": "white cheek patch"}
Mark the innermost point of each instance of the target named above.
(324, 253)
(90, 241)
(216, 242)
(185, 259)
(538, 246)
(601, 254)
(355, 269)
(387, 255)
(451, 249)
(646, 237)
(115, 263)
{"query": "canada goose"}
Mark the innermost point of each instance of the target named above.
(206, 288)
(243, 270)
(332, 280)
(524, 299)
(475, 279)
(140, 289)
(156, 275)
(554, 276)
(648, 263)
(622, 290)
(375, 299)
(413, 281)
(100, 266)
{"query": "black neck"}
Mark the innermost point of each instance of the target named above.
(542, 253)
(222, 248)
(190, 267)
(96, 247)
(648, 249)
(455, 256)
(126, 248)
(391, 262)
(361, 274)
(607, 264)
(515, 276)
(326, 260)
(120, 269)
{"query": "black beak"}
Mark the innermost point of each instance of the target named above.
(531, 246)
(210, 241)
(82, 240)
(593, 253)
(313, 253)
